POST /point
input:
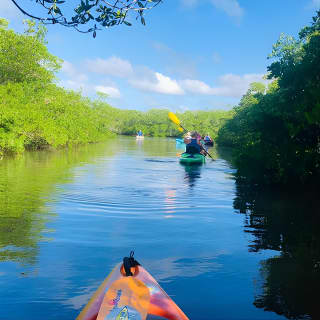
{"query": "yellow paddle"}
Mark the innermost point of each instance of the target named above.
(175, 120)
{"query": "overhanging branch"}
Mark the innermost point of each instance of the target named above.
(91, 13)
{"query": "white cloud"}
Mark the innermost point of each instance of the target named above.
(230, 7)
(230, 85)
(75, 80)
(148, 80)
(74, 85)
(72, 72)
(141, 78)
(196, 86)
(145, 79)
(113, 66)
(112, 92)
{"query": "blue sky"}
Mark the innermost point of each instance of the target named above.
(192, 54)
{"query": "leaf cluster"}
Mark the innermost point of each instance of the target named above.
(276, 134)
(34, 112)
(91, 15)
(25, 57)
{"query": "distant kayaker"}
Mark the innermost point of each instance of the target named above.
(140, 133)
(207, 138)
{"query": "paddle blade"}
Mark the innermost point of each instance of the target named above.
(180, 129)
(174, 118)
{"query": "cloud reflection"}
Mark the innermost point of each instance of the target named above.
(167, 269)
(170, 202)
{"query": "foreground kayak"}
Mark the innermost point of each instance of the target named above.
(188, 158)
(130, 292)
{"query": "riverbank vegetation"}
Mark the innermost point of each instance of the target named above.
(155, 122)
(275, 131)
(35, 113)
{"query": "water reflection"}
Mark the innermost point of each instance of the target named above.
(289, 224)
(192, 173)
(113, 198)
(139, 141)
(154, 147)
(180, 145)
(26, 183)
(170, 202)
(167, 268)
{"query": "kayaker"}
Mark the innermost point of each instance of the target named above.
(194, 145)
(187, 138)
(207, 138)
(140, 133)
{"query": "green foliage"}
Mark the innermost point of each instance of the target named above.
(36, 114)
(24, 57)
(4, 23)
(38, 30)
(156, 123)
(34, 117)
(276, 134)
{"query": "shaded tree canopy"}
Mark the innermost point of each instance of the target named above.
(89, 15)
(275, 133)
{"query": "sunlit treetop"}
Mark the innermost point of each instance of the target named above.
(89, 15)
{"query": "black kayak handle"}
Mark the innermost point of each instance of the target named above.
(128, 263)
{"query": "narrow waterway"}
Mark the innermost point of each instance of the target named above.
(67, 217)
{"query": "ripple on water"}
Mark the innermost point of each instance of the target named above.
(179, 220)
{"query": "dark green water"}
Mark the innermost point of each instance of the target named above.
(220, 250)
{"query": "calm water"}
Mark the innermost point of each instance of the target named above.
(219, 250)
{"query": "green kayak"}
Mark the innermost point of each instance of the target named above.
(188, 158)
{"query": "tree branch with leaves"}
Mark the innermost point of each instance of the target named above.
(90, 15)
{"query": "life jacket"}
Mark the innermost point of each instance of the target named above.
(193, 147)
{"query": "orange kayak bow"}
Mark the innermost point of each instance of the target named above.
(130, 292)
